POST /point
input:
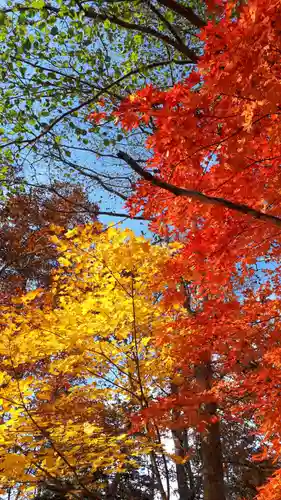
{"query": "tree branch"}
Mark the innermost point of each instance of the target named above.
(197, 195)
(90, 175)
(83, 104)
(184, 11)
(90, 13)
(24, 8)
(122, 215)
(164, 21)
(54, 70)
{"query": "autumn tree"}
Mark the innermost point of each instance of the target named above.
(209, 311)
(27, 256)
(75, 366)
(212, 183)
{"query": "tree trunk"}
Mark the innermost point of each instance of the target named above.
(211, 450)
(158, 476)
(185, 490)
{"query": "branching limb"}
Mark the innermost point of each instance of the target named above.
(197, 195)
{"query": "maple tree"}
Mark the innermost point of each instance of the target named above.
(75, 365)
(212, 182)
(26, 254)
(77, 359)
(81, 391)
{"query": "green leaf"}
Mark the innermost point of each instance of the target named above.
(134, 57)
(27, 45)
(99, 53)
(54, 30)
(38, 4)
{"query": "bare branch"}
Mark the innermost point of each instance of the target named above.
(164, 21)
(92, 176)
(122, 215)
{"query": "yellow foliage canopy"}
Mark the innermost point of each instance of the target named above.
(77, 360)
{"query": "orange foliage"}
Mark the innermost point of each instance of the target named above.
(218, 133)
(26, 254)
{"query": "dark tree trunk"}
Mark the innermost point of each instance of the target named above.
(185, 489)
(211, 450)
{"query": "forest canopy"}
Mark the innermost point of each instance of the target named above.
(140, 250)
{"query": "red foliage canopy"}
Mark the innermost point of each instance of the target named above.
(218, 134)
